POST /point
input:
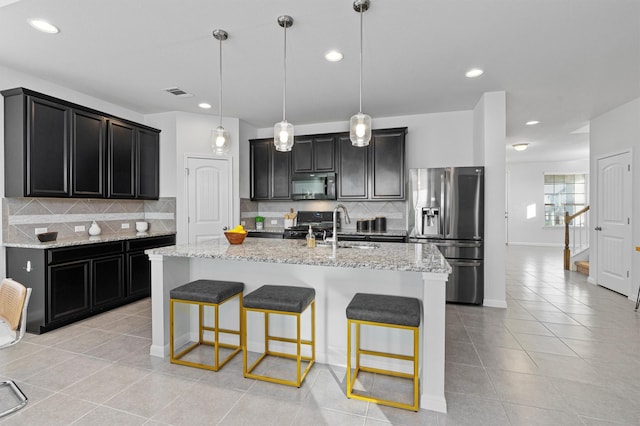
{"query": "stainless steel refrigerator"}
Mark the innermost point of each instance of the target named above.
(446, 208)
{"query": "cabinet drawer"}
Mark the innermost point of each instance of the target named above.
(151, 242)
(88, 251)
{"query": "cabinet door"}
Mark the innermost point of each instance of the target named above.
(302, 154)
(148, 172)
(387, 164)
(139, 279)
(260, 166)
(47, 149)
(68, 290)
(324, 154)
(122, 142)
(88, 159)
(353, 173)
(280, 175)
(108, 280)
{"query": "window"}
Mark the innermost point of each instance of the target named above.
(563, 193)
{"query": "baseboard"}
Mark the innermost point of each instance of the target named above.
(434, 403)
(494, 303)
(511, 243)
(592, 280)
(159, 351)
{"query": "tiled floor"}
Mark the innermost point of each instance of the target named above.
(565, 352)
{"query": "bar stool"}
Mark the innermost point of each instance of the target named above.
(280, 300)
(206, 293)
(383, 311)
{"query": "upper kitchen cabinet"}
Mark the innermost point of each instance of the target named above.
(353, 170)
(270, 171)
(147, 166)
(387, 166)
(36, 147)
(55, 148)
(87, 154)
(122, 160)
(375, 172)
(314, 154)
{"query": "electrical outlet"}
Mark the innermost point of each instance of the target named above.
(79, 228)
(125, 226)
(274, 221)
(243, 222)
(41, 230)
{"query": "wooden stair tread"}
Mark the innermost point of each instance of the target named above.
(583, 266)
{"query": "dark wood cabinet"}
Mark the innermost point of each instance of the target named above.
(122, 156)
(68, 290)
(71, 283)
(147, 167)
(87, 154)
(387, 172)
(375, 172)
(314, 154)
(353, 170)
(54, 148)
(107, 280)
(47, 149)
(270, 171)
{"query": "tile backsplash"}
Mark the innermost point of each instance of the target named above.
(21, 216)
(394, 211)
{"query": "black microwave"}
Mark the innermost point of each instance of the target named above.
(313, 186)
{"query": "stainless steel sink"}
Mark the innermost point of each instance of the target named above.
(349, 244)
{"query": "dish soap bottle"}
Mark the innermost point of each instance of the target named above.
(311, 239)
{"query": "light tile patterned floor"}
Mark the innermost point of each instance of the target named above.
(565, 352)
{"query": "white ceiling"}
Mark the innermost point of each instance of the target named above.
(561, 62)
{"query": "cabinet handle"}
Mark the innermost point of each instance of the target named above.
(598, 228)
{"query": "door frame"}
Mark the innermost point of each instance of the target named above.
(185, 208)
(594, 220)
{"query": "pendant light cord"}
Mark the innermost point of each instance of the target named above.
(220, 86)
(360, 59)
(284, 83)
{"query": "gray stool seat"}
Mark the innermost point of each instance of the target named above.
(385, 309)
(207, 291)
(280, 298)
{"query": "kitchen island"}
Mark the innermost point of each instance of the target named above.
(413, 270)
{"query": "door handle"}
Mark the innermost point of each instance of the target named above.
(225, 228)
(598, 228)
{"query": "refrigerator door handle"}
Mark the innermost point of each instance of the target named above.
(464, 262)
(452, 244)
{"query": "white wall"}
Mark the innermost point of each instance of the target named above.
(525, 188)
(168, 137)
(193, 136)
(489, 132)
(615, 131)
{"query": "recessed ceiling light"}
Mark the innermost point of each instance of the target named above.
(474, 72)
(532, 123)
(520, 146)
(204, 105)
(44, 26)
(333, 56)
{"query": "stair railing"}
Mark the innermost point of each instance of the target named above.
(583, 226)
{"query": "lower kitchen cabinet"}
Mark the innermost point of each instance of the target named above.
(72, 283)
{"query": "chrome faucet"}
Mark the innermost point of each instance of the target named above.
(334, 237)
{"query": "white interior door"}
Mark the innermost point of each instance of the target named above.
(613, 227)
(209, 197)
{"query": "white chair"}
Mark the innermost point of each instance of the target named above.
(14, 299)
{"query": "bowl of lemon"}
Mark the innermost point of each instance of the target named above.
(236, 235)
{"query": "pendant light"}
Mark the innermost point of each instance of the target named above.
(283, 131)
(220, 138)
(360, 124)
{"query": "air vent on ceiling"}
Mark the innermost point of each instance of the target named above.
(176, 91)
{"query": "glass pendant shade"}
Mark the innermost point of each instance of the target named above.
(283, 136)
(360, 129)
(220, 141)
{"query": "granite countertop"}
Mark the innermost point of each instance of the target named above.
(389, 233)
(387, 256)
(86, 239)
